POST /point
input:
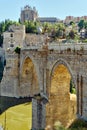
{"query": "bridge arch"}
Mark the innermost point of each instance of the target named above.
(61, 106)
(29, 77)
(63, 62)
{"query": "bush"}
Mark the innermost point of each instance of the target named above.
(72, 88)
(58, 126)
(78, 124)
(17, 50)
(85, 40)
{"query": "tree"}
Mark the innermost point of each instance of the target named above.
(30, 26)
(72, 34)
(60, 30)
(59, 33)
(4, 25)
(81, 24)
(71, 23)
(85, 24)
(47, 27)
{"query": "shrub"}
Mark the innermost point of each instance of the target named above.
(72, 88)
(17, 50)
(78, 124)
(58, 126)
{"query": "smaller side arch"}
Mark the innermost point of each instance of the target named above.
(29, 84)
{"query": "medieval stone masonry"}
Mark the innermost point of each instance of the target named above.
(43, 71)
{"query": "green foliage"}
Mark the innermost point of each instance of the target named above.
(31, 27)
(85, 40)
(59, 33)
(58, 126)
(72, 88)
(60, 30)
(17, 50)
(85, 24)
(55, 31)
(81, 24)
(78, 124)
(72, 34)
(4, 25)
(71, 23)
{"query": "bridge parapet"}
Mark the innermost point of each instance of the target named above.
(56, 46)
(65, 46)
(32, 46)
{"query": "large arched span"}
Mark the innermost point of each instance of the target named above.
(62, 105)
(29, 79)
(63, 62)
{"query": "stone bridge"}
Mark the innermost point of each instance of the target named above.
(43, 72)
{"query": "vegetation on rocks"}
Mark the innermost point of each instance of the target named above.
(55, 31)
(17, 50)
(72, 88)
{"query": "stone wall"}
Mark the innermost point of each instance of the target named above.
(38, 117)
(75, 62)
(10, 80)
(54, 65)
(2, 55)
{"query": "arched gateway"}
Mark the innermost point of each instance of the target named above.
(43, 73)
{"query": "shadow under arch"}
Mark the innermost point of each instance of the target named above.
(63, 62)
(61, 106)
(29, 82)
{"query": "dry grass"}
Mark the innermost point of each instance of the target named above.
(18, 117)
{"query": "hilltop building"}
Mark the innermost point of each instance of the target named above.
(31, 14)
(68, 19)
(28, 13)
(47, 19)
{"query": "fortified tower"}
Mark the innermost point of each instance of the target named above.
(14, 37)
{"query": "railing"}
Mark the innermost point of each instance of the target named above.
(65, 46)
(57, 46)
(32, 46)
